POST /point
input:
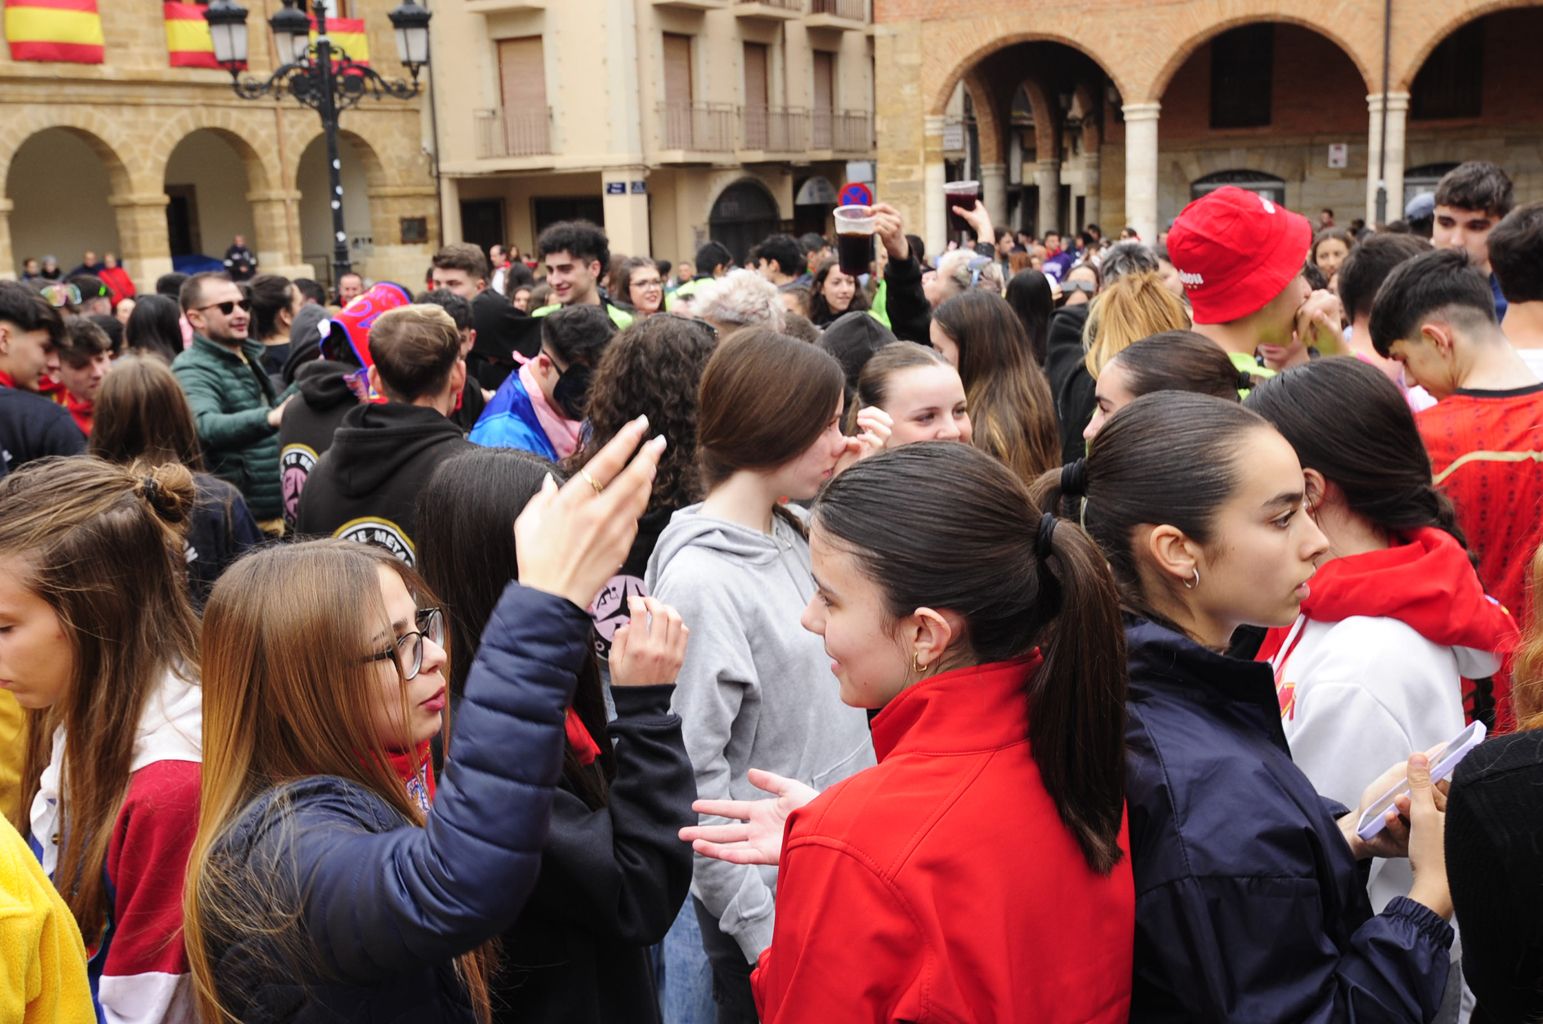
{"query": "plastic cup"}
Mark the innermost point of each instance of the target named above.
(854, 238)
(960, 193)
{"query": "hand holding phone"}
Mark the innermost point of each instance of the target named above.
(1443, 761)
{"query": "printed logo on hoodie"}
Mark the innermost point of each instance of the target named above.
(295, 464)
(383, 533)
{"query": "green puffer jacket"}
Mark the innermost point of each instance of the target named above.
(231, 399)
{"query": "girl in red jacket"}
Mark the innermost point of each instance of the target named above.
(980, 870)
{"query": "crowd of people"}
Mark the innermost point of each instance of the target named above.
(1025, 634)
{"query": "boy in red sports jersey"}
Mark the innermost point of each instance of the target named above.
(1435, 315)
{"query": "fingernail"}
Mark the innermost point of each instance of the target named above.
(549, 484)
(659, 439)
(642, 421)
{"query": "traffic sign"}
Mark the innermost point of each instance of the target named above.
(855, 193)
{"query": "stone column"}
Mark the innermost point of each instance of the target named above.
(934, 174)
(626, 210)
(993, 184)
(1047, 178)
(1091, 184)
(450, 208)
(1141, 168)
(276, 224)
(1398, 113)
(8, 261)
(143, 246)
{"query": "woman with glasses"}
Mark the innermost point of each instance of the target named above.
(99, 644)
(638, 285)
(322, 887)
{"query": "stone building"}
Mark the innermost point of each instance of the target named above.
(1120, 112)
(669, 121)
(155, 162)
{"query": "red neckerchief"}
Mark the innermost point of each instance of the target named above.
(416, 771)
(584, 746)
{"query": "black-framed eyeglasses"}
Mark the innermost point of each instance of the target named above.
(408, 648)
(228, 307)
(695, 322)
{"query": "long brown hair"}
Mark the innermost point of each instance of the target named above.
(102, 545)
(285, 698)
(1527, 669)
(141, 413)
(943, 525)
(1011, 409)
(765, 398)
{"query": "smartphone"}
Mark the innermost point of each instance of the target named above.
(1442, 763)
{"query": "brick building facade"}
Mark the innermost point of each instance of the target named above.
(154, 162)
(1121, 112)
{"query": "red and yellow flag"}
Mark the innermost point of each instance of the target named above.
(188, 43)
(64, 31)
(348, 35)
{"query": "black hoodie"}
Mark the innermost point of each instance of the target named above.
(367, 484)
(309, 422)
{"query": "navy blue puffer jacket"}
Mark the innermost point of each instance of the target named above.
(1250, 906)
(372, 911)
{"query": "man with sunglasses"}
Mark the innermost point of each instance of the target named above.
(236, 407)
(31, 426)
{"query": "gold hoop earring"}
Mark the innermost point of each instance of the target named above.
(916, 663)
(1192, 584)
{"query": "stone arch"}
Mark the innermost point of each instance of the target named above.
(233, 128)
(371, 197)
(989, 123)
(17, 132)
(376, 171)
(66, 190)
(1010, 34)
(1456, 15)
(204, 208)
(1046, 137)
(1266, 12)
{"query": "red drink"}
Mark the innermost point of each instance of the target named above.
(964, 194)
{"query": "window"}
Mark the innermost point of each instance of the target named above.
(1242, 63)
(1451, 81)
(679, 121)
(522, 92)
(824, 106)
(1266, 185)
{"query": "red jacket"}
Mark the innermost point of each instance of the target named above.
(941, 885)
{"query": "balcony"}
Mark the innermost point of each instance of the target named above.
(766, 133)
(695, 132)
(842, 15)
(842, 131)
(693, 5)
(502, 134)
(769, 10)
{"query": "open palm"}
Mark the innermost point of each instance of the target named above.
(755, 837)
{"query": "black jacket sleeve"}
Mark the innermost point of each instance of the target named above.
(1070, 382)
(379, 903)
(623, 870)
(910, 314)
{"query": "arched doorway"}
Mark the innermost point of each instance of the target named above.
(1236, 102)
(743, 214)
(59, 182)
(361, 168)
(206, 189)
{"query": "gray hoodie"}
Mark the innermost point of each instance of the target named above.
(756, 690)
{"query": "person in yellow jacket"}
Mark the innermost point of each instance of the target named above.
(42, 958)
(13, 751)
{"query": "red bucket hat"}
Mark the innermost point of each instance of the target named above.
(1236, 250)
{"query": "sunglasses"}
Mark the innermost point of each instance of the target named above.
(408, 648)
(228, 307)
(60, 294)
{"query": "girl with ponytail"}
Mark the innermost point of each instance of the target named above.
(1251, 904)
(981, 868)
(99, 644)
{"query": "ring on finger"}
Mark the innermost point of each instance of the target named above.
(596, 484)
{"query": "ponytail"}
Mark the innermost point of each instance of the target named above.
(942, 525)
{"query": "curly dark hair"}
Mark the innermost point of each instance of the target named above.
(819, 310)
(652, 369)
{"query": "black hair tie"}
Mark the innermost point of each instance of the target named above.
(1074, 479)
(1245, 380)
(1044, 543)
(152, 492)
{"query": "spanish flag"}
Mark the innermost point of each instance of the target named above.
(64, 31)
(347, 34)
(187, 37)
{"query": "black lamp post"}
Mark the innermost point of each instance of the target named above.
(319, 75)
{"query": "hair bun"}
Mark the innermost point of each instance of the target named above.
(168, 489)
(1074, 479)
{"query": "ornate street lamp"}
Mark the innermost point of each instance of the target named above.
(320, 75)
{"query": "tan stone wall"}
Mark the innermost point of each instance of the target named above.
(134, 110)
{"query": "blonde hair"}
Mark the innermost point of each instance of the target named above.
(1135, 306)
(1527, 668)
(102, 545)
(286, 698)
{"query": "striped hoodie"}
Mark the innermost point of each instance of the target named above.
(137, 965)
